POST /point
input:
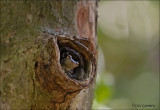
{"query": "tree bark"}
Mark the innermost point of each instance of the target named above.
(36, 36)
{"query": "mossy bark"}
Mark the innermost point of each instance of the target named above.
(22, 22)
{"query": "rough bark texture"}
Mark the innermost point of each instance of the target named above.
(33, 36)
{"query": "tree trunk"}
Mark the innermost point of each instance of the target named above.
(48, 54)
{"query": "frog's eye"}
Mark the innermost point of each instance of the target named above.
(69, 56)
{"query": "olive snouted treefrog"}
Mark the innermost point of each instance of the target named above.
(69, 64)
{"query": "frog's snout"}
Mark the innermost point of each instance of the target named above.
(77, 63)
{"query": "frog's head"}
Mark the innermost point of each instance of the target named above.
(69, 64)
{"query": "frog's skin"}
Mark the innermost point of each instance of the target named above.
(68, 63)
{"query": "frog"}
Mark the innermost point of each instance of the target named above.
(68, 63)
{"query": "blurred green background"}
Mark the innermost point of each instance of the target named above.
(128, 66)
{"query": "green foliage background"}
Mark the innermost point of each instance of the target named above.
(128, 69)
